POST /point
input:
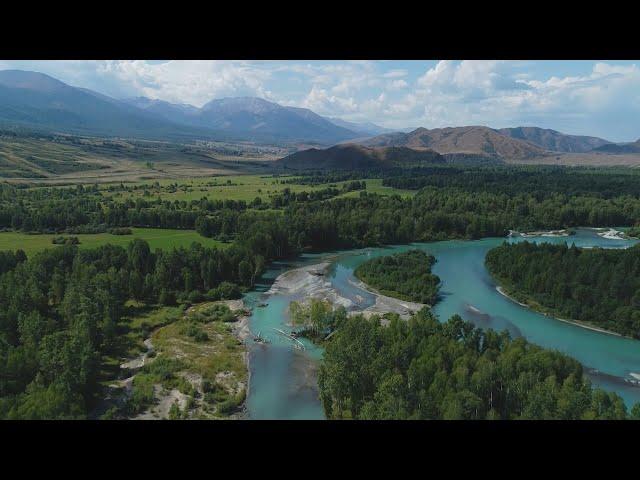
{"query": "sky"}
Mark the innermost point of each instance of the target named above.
(598, 98)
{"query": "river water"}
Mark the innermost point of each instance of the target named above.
(283, 379)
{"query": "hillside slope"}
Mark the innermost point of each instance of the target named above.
(554, 140)
(35, 100)
(355, 157)
(471, 140)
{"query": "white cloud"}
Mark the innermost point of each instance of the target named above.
(396, 73)
(493, 93)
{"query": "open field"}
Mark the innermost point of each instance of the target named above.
(157, 238)
(374, 185)
(64, 159)
(589, 159)
(234, 187)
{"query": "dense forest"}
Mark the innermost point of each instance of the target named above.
(406, 276)
(539, 181)
(423, 369)
(599, 286)
(451, 203)
(62, 307)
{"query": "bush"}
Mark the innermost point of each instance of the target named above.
(120, 231)
(60, 240)
(232, 404)
(195, 297)
(195, 332)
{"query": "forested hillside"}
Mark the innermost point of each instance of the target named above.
(598, 286)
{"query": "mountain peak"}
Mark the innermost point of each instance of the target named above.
(250, 104)
(30, 80)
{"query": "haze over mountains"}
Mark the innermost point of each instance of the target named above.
(250, 117)
(35, 100)
(367, 129)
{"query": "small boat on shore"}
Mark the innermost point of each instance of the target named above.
(260, 339)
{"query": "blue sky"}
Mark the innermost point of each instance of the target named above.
(600, 98)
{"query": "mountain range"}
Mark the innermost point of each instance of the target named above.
(40, 102)
(254, 118)
(508, 143)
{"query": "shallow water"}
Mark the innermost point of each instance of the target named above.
(282, 384)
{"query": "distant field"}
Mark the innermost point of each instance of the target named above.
(374, 185)
(157, 238)
(64, 159)
(235, 187)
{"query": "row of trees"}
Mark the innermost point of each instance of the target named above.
(424, 369)
(406, 276)
(600, 286)
(539, 181)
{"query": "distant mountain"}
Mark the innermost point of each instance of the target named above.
(174, 112)
(355, 157)
(35, 100)
(553, 140)
(251, 119)
(255, 116)
(619, 148)
(366, 129)
(468, 140)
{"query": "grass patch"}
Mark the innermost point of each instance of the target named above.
(205, 345)
(162, 238)
(234, 187)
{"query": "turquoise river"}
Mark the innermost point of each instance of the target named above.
(283, 379)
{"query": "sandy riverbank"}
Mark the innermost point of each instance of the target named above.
(385, 304)
(612, 234)
(549, 233)
(572, 322)
(309, 282)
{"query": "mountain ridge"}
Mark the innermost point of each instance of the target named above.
(553, 140)
(478, 140)
(36, 100)
(352, 156)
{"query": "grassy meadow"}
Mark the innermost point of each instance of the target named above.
(233, 187)
(157, 237)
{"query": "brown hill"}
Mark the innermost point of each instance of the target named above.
(470, 140)
(553, 140)
(620, 148)
(355, 157)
